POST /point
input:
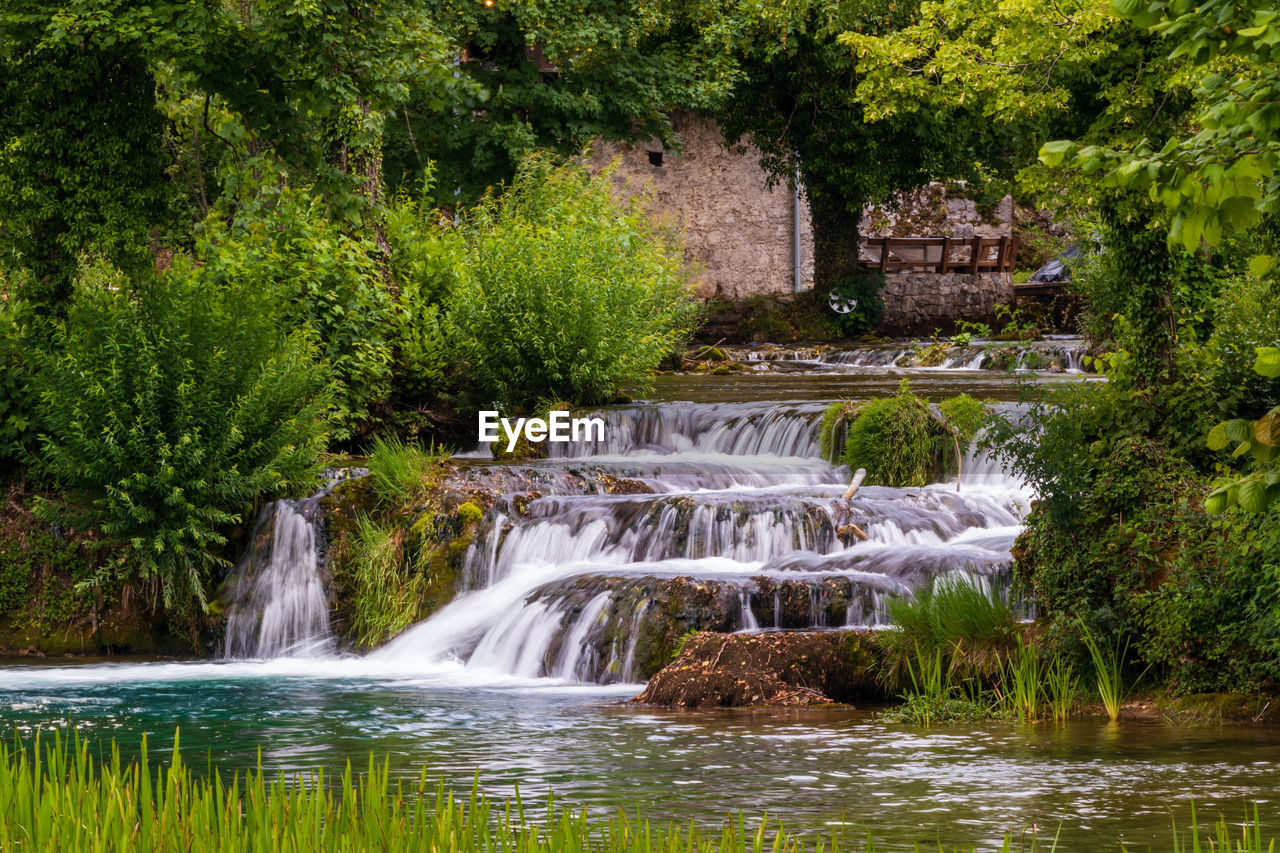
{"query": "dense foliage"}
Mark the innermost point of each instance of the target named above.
(168, 408)
(563, 293)
(1120, 536)
(320, 279)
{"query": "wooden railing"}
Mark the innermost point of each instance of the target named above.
(939, 254)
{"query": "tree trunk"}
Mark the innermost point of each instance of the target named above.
(835, 242)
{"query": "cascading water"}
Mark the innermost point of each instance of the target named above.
(278, 603)
(734, 523)
(1054, 353)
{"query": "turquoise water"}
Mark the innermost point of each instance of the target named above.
(812, 769)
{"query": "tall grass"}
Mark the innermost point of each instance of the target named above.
(1061, 686)
(930, 681)
(1022, 682)
(1108, 663)
(973, 627)
(387, 588)
(400, 473)
(56, 796)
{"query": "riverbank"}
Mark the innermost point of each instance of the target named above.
(812, 669)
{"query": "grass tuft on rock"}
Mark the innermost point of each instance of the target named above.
(897, 439)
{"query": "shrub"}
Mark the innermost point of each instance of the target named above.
(323, 280)
(896, 439)
(426, 261)
(17, 397)
(170, 407)
(567, 293)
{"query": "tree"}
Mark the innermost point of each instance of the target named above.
(81, 168)
(545, 76)
(1034, 71)
(311, 83)
(794, 97)
(1028, 72)
(1223, 174)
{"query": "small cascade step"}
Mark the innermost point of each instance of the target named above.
(278, 604)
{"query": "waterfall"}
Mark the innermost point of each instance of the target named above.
(734, 524)
(278, 604)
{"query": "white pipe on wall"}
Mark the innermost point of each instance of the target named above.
(797, 249)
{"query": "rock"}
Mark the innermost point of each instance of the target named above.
(800, 668)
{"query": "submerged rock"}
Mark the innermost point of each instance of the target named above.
(792, 668)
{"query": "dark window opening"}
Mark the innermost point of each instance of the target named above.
(655, 158)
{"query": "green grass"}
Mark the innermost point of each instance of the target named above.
(972, 627)
(400, 473)
(1108, 665)
(56, 796)
(1022, 683)
(388, 590)
(1061, 688)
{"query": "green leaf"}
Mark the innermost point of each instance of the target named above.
(1252, 495)
(1216, 502)
(1218, 439)
(1054, 153)
(1260, 265)
(1268, 363)
(1238, 429)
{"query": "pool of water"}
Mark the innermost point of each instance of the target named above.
(810, 768)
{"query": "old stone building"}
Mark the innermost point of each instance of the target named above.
(739, 231)
(748, 238)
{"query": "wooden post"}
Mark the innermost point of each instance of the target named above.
(946, 252)
(1013, 252)
(884, 254)
(977, 254)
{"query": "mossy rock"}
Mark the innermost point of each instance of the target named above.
(897, 440)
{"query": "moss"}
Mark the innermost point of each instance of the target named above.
(523, 449)
(402, 557)
(469, 513)
(50, 606)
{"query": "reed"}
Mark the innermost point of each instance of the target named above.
(1108, 663)
(1022, 682)
(1061, 686)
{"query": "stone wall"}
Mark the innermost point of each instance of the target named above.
(737, 230)
(935, 211)
(918, 303)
